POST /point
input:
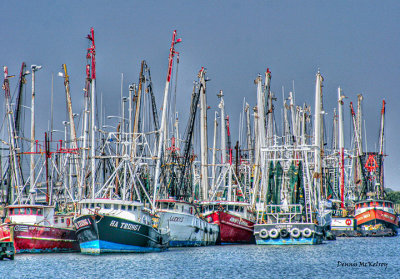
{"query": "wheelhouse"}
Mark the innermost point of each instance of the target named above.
(237, 208)
(171, 205)
(31, 214)
(125, 209)
(366, 205)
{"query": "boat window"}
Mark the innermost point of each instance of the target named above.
(230, 207)
(116, 206)
(62, 219)
(107, 206)
(171, 206)
(164, 205)
(56, 220)
(130, 207)
(241, 209)
(40, 211)
(22, 211)
(123, 207)
(182, 208)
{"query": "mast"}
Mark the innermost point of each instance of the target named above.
(203, 135)
(359, 122)
(293, 116)
(249, 141)
(14, 167)
(318, 136)
(91, 54)
(162, 133)
(270, 120)
(382, 129)
(221, 105)
(381, 150)
(260, 112)
(72, 122)
(138, 102)
(214, 151)
(341, 144)
(32, 163)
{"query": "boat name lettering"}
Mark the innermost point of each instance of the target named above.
(46, 229)
(237, 221)
(387, 216)
(19, 228)
(82, 223)
(176, 219)
(131, 227)
(285, 226)
(114, 224)
(365, 216)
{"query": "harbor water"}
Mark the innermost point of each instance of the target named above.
(343, 258)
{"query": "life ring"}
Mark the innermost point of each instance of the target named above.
(68, 222)
(295, 233)
(263, 233)
(274, 233)
(284, 233)
(307, 232)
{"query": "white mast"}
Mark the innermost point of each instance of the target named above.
(214, 151)
(318, 135)
(203, 135)
(164, 117)
(249, 141)
(32, 163)
(92, 51)
(223, 127)
(341, 144)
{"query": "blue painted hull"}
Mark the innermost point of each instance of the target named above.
(178, 243)
(110, 234)
(100, 246)
(290, 241)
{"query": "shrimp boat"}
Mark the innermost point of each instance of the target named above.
(235, 220)
(291, 176)
(374, 214)
(109, 225)
(228, 205)
(32, 224)
(37, 229)
(376, 218)
(186, 227)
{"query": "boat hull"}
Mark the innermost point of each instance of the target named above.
(188, 230)
(39, 239)
(233, 229)
(109, 234)
(316, 236)
(373, 217)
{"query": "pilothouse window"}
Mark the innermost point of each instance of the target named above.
(107, 206)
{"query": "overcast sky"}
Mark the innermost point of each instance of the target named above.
(355, 44)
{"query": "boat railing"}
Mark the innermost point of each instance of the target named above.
(280, 213)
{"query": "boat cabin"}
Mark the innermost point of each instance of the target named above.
(384, 205)
(172, 205)
(240, 209)
(31, 214)
(131, 210)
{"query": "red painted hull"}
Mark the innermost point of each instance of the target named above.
(38, 239)
(232, 228)
(376, 215)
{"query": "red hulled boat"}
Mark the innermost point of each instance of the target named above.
(235, 220)
(36, 229)
(376, 217)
